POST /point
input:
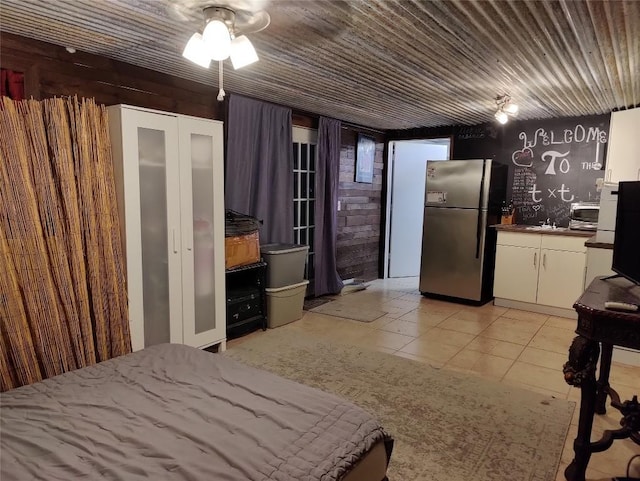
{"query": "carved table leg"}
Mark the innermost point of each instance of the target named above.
(580, 371)
(603, 379)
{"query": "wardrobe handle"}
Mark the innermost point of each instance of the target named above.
(175, 249)
(638, 176)
(608, 176)
(544, 260)
(535, 259)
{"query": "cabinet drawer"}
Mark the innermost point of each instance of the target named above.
(518, 239)
(240, 311)
(564, 243)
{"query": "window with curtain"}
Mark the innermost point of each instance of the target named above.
(304, 187)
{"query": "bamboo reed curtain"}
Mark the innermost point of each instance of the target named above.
(63, 301)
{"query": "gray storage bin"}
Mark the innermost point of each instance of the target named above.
(285, 263)
(284, 304)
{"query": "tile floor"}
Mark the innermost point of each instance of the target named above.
(521, 348)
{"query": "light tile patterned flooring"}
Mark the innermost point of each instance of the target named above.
(521, 348)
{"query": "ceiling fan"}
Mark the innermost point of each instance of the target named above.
(226, 23)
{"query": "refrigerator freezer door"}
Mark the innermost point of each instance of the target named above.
(458, 183)
(453, 252)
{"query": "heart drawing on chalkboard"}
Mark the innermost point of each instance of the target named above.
(523, 158)
(536, 207)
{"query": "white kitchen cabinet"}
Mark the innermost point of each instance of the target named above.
(539, 270)
(516, 273)
(561, 278)
(623, 161)
(169, 182)
(599, 263)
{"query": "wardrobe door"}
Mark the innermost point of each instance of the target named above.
(202, 220)
(152, 222)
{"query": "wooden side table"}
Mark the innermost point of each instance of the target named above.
(599, 326)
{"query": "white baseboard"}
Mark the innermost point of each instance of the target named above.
(529, 306)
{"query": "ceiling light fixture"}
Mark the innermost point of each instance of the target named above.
(224, 36)
(506, 109)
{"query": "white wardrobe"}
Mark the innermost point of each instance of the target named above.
(169, 181)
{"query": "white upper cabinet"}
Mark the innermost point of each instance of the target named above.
(623, 154)
(169, 180)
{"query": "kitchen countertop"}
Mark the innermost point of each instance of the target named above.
(592, 242)
(532, 229)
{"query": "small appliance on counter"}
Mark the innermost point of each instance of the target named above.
(584, 216)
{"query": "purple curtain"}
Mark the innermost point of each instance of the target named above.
(327, 280)
(259, 169)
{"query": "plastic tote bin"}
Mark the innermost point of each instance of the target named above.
(285, 263)
(284, 304)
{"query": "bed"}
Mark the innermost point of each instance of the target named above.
(175, 412)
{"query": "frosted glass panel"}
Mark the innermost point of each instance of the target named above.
(204, 279)
(155, 255)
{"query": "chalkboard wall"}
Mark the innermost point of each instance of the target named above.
(554, 163)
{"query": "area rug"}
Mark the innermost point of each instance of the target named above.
(355, 313)
(447, 426)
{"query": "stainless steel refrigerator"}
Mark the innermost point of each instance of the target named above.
(463, 198)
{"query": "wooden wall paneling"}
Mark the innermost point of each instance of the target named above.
(360, 217)
(58, 72)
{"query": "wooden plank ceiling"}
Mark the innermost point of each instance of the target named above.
(387, 64)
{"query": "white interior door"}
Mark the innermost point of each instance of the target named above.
(408, 172)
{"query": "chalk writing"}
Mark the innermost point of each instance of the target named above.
(466, 133)
(579, 134)
(553, 163)
(534, 194)
(523, 158)
(551, 156)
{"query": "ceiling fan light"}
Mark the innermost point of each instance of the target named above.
(511, 109)
(242, 52)
(196, 51)
(217, 39)
(501, 117)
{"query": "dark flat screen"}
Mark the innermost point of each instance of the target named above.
(626, 246)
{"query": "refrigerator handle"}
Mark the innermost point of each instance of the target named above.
(480, 203)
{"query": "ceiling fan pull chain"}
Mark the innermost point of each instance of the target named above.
(221, 92)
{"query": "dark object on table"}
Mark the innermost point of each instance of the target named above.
(596, 325)
(626, 260)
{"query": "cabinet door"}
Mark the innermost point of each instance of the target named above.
(623, 162)
(516, 273)
(202, 211)
(152, 223)
(561, 278)
(599, 262)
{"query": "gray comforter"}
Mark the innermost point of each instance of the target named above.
(174, 412)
